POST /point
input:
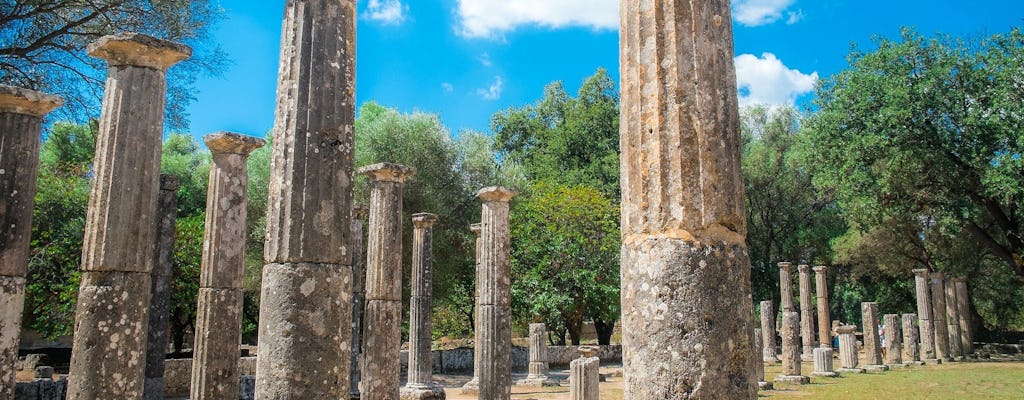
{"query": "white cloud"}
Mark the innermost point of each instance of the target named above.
(793, 17)
(494, 91)
(389, 12)
(489, 18)
(767, 80)
(447, 87)
(760, 12)
(485, 59)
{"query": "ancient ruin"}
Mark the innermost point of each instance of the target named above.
(806, 314)
(160, 291)
(924, 314)
(584, 378)
(872, 341)
(824, 315)
(911, 340)
(823, 366)
(769, 351)
(963, 303)
(495, 303)
(956, 350)
(421, 384)
(786, 286)
(893, 340)
(538, 368)
(762, 383)
(938, 290)
(473, 386)
(359, 213)
(848, 360)
(791, 350)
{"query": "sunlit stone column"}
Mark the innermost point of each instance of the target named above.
(893, 340)
(584, 378)
(769, 351)
(953, 321)
(848, 349)
(939, 317)
(160, 291)
(762, 384)
(538, 368)
(682, 206)
(112, 316)
(21, 124)
(924, 314)
(383, 319)
(473, 386)
(806, 314)
(791, 350)
(359, 213)
(421, 384)
(824, 315)
(963, 304)
(495, 315)
(911, 339)
(786, 287)
(872, 342)
(823, 363)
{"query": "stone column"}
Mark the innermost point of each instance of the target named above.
(21, 124)
(786, 286)
(924, 314)
(893, 340)
(938, 290)
(421, 384)
(495, 313)
(538, 368)
(219, 310)
(473, 386)
(307, 279)
(359, 212)
(824, 314)
(584, 378)
(682, 206)
(823, 363)
(872, 341)
(112, 315)
(383, 320)
(791, 350)
(768, 352)
(806, 314)
(160, 291)
(963, 305)
(911, 338)
(848, 349)
(762, 384)
(953, 321)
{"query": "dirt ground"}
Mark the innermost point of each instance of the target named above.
(610, 390)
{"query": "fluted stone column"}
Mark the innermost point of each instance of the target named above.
(219, 310)
(473, 386)
(584, 378)
(791, 350)
(823, 363)
(786, 287)
(682, 206)
(160, 291)
(963, 305)
(359, 213)
(953, 321)
(893, 340)
(769, 351)
(938, 290)
(911, 339)
(924, 314)
(495, 315)
(824, 314)
(420, 385)
(848, 349)
(806, 314)
(762, 384)
(21, 124)
(307, 279)
(383, 319)
(112, 315)
(538, 368)
(872, 342)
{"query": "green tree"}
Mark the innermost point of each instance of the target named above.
(187, 259)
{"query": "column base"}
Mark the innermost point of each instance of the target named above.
(471, 387)
(765, 386)
(793, 379)
(932, 361)
(537, 381)
(913, 363)
(851, 370)
(900, 365)
(430, 391)
(831, 374)
(876, 368)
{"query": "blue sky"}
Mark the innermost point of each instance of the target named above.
(467, 59)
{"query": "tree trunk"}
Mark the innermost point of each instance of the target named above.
(575, 331)
(604, 331)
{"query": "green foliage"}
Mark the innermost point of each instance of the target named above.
(181, 157)
(188, 257)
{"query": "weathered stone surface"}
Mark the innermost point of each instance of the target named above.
(938, 290)
(473, 386)
(790, 344)
(538, 367)
(963, 305)
(762, 384)
(420, 384)
(112, 316)
(686, 301)
(924, 314)
(893, 340)
(160, 291)
(953, 321)
(218, 329)
(495, 295)
(359, 213)
(768, 349)
(12, 302)
(872, 342)
(806, 314)
(786, 286)
(381, 350)
(848, 349)
(823, 363)
(911, 338)
(584, 379)
(824, 314)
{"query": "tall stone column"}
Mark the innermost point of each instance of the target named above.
(307, 279)
(421, 383)
(538, 368)
(786, 286)
(359, 212)
(893, 340)
(824, 314)
(806, 314)
(762, 383)
(823, 363)
(473, 386)
(911, 339)
(791, 350)
(112, 316)
(160, 291)
(872, 341)
(924, 315)
(768, 352)
(848, 349)
(383, 319)
(495, 314)
(21, 124)
(584, 378)
(219, 312)
(953, 321)
(963, 305)
(686, 300)
(939, 317)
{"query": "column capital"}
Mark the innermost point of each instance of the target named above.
(922, 272)
(424, 220)
(475, 228)
(846, 329)
(820, 269)
(786, 266)
(169, 183)
(803, 268)
(18, 100)
(387, 172)
(360, 211)
(139, 50)
(495, 194)
(232, 143)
